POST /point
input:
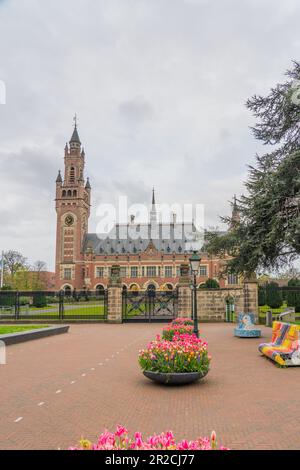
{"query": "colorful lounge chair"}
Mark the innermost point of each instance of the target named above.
(246, 326)
(285, 344)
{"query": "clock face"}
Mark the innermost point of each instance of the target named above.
(69, 220)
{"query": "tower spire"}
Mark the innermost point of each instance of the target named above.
(75, 137)
(153, 214)
(235, 216)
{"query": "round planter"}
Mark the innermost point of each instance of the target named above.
(174, 378)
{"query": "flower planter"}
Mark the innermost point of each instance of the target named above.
(174, 378)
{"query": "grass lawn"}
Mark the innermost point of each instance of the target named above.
(71, 310)
(276, 311)
(7, 329)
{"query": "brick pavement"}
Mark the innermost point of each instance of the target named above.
(60, 391)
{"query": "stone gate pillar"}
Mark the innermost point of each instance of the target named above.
(251, 295)
(114, 296)
(184, 292)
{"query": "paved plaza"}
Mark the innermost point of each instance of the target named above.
(56, 390)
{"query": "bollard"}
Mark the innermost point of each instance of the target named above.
(269, 319)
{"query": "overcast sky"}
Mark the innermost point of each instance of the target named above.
(159, 87)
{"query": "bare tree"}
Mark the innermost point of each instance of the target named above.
(38, 268)
(14, 262)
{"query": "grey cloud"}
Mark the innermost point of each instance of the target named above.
(159, 88)
(136, 110)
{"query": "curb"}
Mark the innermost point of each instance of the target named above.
(22, 336)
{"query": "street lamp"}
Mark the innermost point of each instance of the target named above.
(195, 264)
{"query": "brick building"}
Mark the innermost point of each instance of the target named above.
(149, 254)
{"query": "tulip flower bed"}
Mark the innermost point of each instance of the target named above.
(186, 353)
(121, 440)
(171, 330)
(182, 322)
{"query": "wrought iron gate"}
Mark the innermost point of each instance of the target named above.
(149, 306)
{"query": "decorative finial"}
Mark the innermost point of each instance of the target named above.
(75, 120)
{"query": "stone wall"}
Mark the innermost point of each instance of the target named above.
(211, 303)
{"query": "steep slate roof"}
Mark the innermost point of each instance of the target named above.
(75, 136)
(135, 238)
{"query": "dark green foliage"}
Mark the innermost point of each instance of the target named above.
(273, 295)
(293, 297)
(268, 234)
(210, 284)
(261, 296)
(39, 300)
(7, 299)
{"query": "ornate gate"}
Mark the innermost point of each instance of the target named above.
(149, 306)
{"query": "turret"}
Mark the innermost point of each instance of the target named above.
(88, 184)
(59, 178)
(235, 216)
(153, 214)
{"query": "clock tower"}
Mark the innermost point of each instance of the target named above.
(73, 195)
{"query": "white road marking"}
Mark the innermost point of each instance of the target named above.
(73, 381)
(83, 375)
(58, 391)
(93, 368)
(100, 364)
(41, 403)
(107, 360)
(18, 419)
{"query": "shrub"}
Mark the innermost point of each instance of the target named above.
(120, 440)
(24, 301)
(261, 296)
(273, 295)
(7, 299)
(210, 284)
(293, 297)
(171, 330)
(186, 354)
(39, 300)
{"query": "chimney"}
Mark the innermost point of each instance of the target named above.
(174, 216)
(132, 217)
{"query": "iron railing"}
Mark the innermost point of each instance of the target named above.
(48, 305)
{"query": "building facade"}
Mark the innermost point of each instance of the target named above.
(149, 255)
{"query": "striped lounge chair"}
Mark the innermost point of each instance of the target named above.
(285, 344)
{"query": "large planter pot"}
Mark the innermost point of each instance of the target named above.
(174, 378)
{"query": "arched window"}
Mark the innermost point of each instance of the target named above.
(69, 193)
(68, 290)
(72, 175)
(64, 193)
(99, 290)
(151, 289)
(75, 193)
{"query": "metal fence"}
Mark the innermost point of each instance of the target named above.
(279, 303)
(150, 306)
(47, 305)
